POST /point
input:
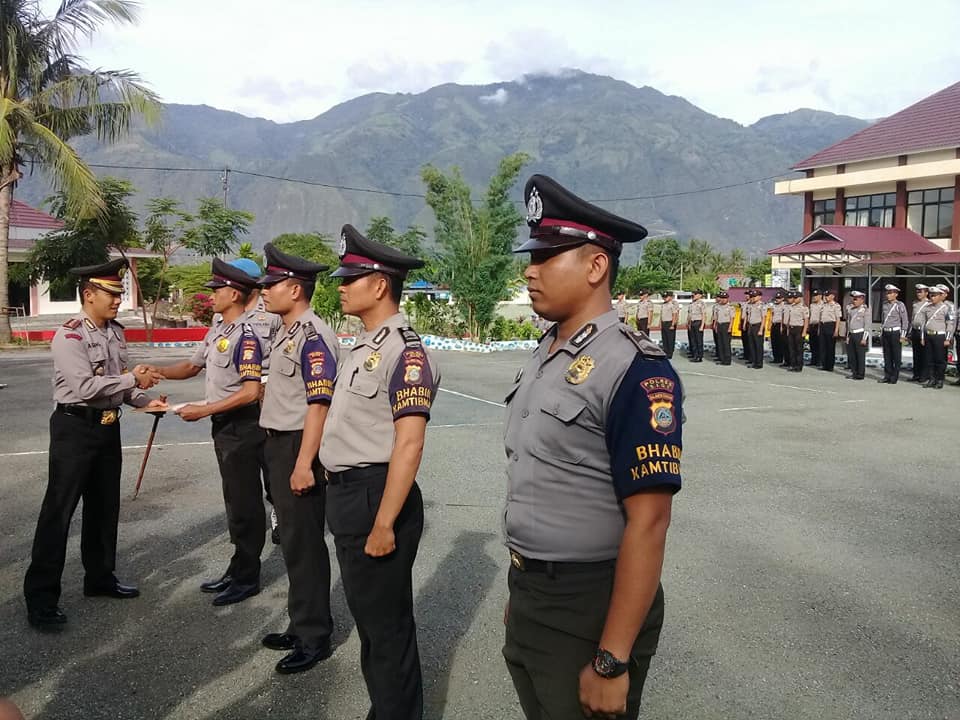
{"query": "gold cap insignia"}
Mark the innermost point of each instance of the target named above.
(579, 370)
(372, 361)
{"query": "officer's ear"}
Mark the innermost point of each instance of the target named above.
(599, 267)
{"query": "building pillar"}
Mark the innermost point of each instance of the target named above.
(840, 214)
(134, 295)
(900, 212)
(34, 300)
(807, 213)
(955, 235)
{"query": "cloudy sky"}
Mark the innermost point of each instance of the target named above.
(294, 59)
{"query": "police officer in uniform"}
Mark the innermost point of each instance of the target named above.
(921, 371)
(593, 445)
(621, 307)
(295, 405)
(371, 450)
(938, 329)
(91, 379)
(231, 355)
(830, 315)
(722, 319)
(796, 320)
(695, 316)
(858, 335)
(754, 312)
(744, 341)
(778, 343)
(669, 319)
(644, 312)
(813, 330)
(893, 334)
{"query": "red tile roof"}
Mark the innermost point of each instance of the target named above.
(22, 215)
(944, 257)
(931, 124)
(856, 239)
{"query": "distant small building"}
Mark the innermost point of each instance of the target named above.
(423, 287)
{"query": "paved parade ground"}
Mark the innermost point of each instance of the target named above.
(811, 570)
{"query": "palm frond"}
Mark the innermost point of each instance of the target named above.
(82, 18)
(67, 171)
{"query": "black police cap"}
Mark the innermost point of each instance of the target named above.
(559, 219)
(226, 275)
(282, 266)
(360, 255)
(815, 292)
(723, 294)
(108, 276)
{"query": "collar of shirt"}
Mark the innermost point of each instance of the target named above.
(374, 338)
(574, 343)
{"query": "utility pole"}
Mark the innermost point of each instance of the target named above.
(225, 183)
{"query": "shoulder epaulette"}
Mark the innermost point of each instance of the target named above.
(73, 323)
(410, 338)
(309, 331)
(119, 325)
(247, 329)
(645, 345)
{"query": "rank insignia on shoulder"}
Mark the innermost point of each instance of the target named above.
(410, 338)
(585, 334)
(381, 336)
(73, 324)
(579, 370)
(223, 344)
(372, 361)
(644, 344)
(310, 331)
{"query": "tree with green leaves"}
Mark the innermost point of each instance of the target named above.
(48, 96)
(663, 255)
(476, 241)
(169, 228)
(759, 269)
(246, 251)
(409, 242)
(316, 247)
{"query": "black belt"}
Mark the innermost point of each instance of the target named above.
(104, 416)
(551, 567)
(356, 474)
(279, 433)
(247, 412)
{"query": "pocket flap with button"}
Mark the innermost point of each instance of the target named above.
(220, 359)
(565, 410)
(365, 386)
(286, 365)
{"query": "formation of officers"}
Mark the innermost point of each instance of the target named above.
(593, 451)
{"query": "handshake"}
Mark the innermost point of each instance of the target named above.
(147, 376)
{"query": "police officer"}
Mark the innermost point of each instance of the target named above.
(593, 444)
(695, 316)
(295, 404)
(938, 329)
(621, 307)
(231, 355)
(644, 312)
(778, 344)
(895, 323)
(371, 449)
(813, 331)
(921, 371)
(744, 340)
(669, 319)
(91, 379)
(858, 334)
(754, 312)
(796, 321)
(722, 320)
(830, 315)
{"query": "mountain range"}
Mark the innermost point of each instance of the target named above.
(636, 149)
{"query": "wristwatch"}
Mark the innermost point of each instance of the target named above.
(607, 666)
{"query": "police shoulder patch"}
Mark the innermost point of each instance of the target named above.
(410, 338)
(643, 343)
(73, 323)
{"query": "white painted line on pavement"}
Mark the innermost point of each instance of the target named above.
(125, 447)
(853, 401)
(813, 390)
(755, 407)
(462, 425)
(471, 397)
(722, 377)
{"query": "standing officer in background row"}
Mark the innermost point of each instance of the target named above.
(921, 370)
(371, 451)
(753, 314)
(593, 444)
(858, 335)
(813, 329)
(938, 330)
(695, 317)
(669, 319)
(744, 340)
(231, 355)
(893, 334)
(830, 315)
(644, 312)
(295, 404)
(621, 307)
(91, 379)
(722, 320)
(778, 341)
(796, 322)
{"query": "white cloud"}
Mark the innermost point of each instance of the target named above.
(497, 98)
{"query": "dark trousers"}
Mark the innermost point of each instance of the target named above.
(84, 462)
(936, 356)
(747, 345)
(828, 345)
(554, 626)
(892, 354)
(755, 338)
(777, 343)
(695, 339)
(921, 368)
(856, 355)
(723, 343)
(795, 347)
(301, 540)
(643, 325)
(238, 442)
(380, 591)
(668, 338)
(813, 332)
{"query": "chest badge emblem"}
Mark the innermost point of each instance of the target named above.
(288, 348)
(579, 370)
(223, 344)
(372, 362)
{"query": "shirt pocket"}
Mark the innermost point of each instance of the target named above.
(97, 354)
(360, 412)
(220, 359)
(566, 431)
(285, 365)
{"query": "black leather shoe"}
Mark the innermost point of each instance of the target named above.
(114, 590)
(216, 586)
(883, 380)
(929, 384)
(279, 641)
(302, 659)
(237, 593)
(939, 385)
(48, 618)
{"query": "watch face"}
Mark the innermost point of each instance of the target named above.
(607, 666)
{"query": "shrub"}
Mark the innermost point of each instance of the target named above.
(200, 307)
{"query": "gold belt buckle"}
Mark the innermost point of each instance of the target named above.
(109, 417)
(516, 559)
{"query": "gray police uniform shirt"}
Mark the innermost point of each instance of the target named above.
(304, 370)
(778, 312)
(830, 312)
(937, 319)
(895, 318)
(594, 422)
(91, 366)
(816, 310)
(723, 313)
(918, 306)
(695, 311)
(265, 325)
(670, 310)
(231, 356)
(385, 376)
(796, 315)
(643, 309)
(858, 323)
(753, 313)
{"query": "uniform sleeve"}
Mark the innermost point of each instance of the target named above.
(70, 357)
(319, 368)
(644, 429)
(412, 386)
(248, 357)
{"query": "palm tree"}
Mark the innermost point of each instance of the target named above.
(48, 96)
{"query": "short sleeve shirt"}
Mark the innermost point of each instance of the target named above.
(231, 355)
